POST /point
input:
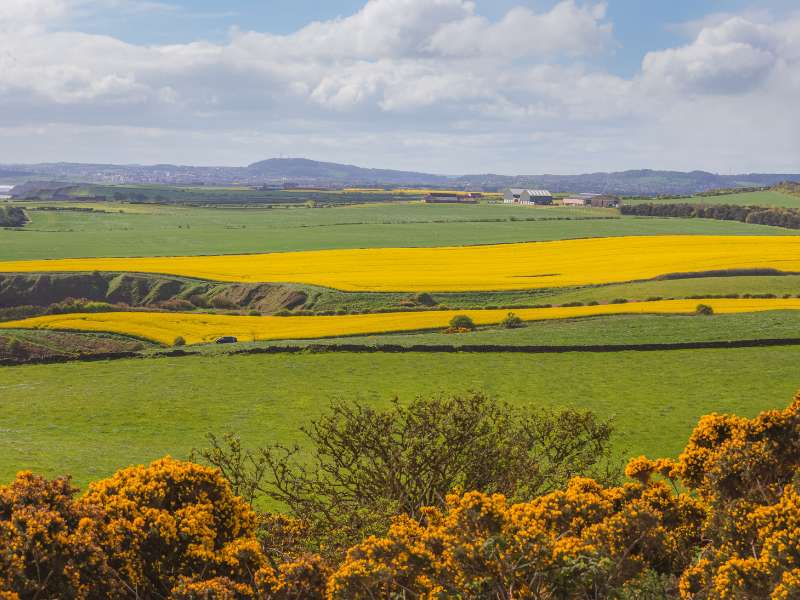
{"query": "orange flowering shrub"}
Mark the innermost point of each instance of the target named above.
(746, 471)
(304, 578)
(50, 545)
(581, 542)
(175, 530)
(174, 520)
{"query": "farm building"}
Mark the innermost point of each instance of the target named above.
(605, 201)
(451, 197)
(593, 200)
(525, 196)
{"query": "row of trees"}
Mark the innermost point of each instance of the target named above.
(788, 218)
(423, 502)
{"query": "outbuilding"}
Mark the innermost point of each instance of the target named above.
(527, 196)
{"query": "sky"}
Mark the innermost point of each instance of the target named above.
(445, 86)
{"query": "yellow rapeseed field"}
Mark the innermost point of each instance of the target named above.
(476, 268)
(197, 328)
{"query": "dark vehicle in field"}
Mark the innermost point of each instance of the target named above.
(226, 339)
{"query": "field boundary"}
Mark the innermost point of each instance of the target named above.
(423, 348)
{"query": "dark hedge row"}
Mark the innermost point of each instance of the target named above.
(788, 218)
(441, 348)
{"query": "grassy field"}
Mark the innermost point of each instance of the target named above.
(587, 331)
(765, 198)
(89, 419)
(150, 230)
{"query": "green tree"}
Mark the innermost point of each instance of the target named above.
(360, 466)
(462, 322)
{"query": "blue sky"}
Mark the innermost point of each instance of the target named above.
(512, 86)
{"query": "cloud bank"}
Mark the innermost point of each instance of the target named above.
(425, 84)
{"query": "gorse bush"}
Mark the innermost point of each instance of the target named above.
(720, 522)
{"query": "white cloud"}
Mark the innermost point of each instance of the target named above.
(733, 56)
(30, 14)
(427, 84)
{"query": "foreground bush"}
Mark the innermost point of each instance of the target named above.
(721, 522)
(367, 466)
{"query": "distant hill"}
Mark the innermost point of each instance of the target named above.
(645, 182)
(302, 171)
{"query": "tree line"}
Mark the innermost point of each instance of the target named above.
(788, 218)
(458, 497)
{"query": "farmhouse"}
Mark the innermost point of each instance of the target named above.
(525, 196)
(575, 202)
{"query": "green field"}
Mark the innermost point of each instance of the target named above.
(618, 330)
(88, 419)
(764, 198)
(147, 230)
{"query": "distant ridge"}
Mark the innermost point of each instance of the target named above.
(303, 168)
(303, 171)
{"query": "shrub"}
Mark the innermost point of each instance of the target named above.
(179, 341)
(424, 299)
(173, 520)
(619, 301)
(571, 304)
(704, 309)
(199, 300)
(254, 313)
(462, 322)
(177, 304)
(512, 321)
(15, 348)
(367, 465)
(52, 545)
(222, 303)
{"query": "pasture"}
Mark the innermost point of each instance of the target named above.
(587, 331)
(88, 419)
(121, 229)
(761, 198)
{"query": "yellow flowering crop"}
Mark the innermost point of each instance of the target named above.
(198, 327)
(496, 267)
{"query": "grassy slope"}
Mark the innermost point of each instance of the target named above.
(159, 231)
(766, 198)
(622, 329)
(89, 419)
